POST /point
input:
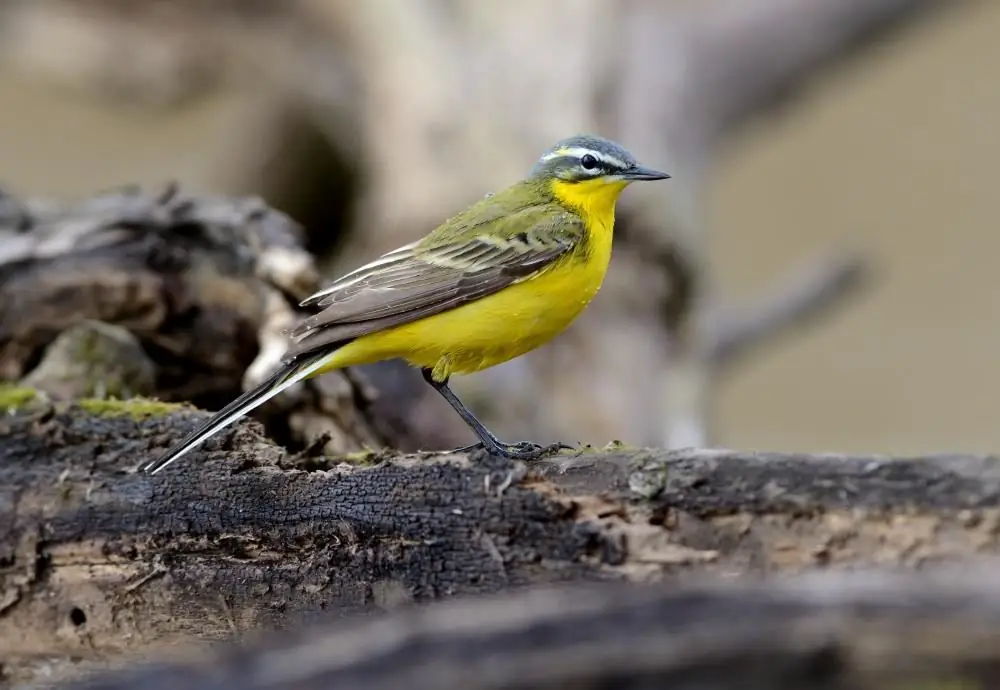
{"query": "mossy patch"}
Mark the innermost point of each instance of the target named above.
(362, 458)
(14, 397)
(137, 408)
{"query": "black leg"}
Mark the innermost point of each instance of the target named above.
(524, 450)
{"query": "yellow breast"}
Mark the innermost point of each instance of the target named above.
(513, 321)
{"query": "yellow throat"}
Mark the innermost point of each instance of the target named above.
(594, 200)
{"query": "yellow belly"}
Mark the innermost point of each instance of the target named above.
(493, 329)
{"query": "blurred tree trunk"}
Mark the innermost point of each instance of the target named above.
(426, 105)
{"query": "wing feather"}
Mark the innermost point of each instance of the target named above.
(441, 272)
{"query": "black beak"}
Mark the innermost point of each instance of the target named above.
(640, 173)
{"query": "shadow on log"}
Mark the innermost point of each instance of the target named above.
(101, 565)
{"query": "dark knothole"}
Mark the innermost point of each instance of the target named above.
(77, 617)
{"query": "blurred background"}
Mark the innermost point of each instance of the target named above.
(832, 214)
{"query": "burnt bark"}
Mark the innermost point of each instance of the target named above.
(100, 564)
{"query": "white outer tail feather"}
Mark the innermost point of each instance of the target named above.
(252, 401)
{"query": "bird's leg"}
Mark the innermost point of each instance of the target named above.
(525, 450)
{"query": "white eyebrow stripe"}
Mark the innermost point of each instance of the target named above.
(581, 151)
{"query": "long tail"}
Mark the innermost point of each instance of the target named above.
(282, 379)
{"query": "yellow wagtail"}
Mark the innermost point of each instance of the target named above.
(492, 283)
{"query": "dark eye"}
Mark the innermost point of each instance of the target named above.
(588, 162)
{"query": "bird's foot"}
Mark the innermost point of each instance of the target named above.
(524, 450)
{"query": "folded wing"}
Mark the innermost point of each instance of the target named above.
(441, 272)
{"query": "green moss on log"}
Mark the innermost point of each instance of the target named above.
(14, 397)
(137, 408)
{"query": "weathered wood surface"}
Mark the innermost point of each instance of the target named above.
(834, 631)
(180, 296)
(191, 277)
(100, 564)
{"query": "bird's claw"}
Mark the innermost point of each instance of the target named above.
(526, 450)
(523, 450)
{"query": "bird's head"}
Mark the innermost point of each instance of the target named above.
(586, 157)
(586, 167)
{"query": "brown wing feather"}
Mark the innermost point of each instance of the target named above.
(416, 282)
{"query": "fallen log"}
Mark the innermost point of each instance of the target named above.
(823, 630)
(100, 564)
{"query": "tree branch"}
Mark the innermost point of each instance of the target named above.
(811, 291)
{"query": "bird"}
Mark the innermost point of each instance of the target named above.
(493, 282)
